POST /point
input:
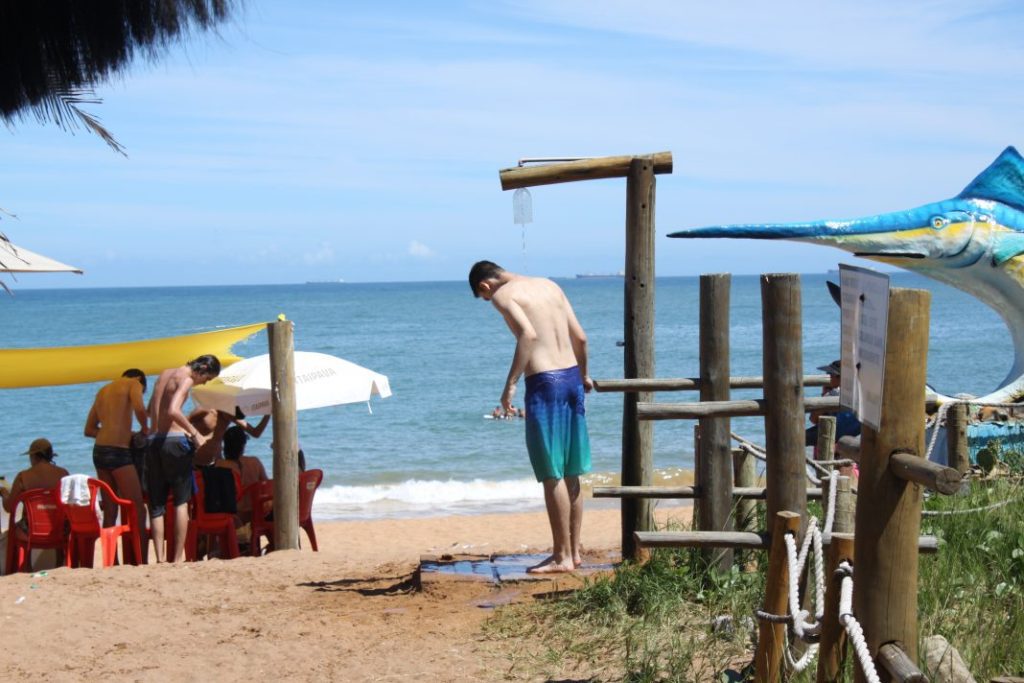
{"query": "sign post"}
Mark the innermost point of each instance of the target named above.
(865, 306)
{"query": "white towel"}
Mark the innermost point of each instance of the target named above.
(74, 490)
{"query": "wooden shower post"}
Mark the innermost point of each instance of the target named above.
(638, 352)
(286, 435)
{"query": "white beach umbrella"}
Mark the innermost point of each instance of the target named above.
(20, 260)
(320, 380)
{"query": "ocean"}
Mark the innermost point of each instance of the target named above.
(427, 449)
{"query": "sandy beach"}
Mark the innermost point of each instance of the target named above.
(350, 612)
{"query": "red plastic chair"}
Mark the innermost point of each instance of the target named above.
(87, 528)
(261, 492)
(220, 525)
(261, 496)
(45, 523)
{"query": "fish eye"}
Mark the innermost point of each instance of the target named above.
(939, 222)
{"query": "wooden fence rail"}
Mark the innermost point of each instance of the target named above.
(692, 383)
(685, 492)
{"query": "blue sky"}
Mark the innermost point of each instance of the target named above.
(325, 140)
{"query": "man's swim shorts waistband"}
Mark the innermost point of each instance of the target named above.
(571, 373)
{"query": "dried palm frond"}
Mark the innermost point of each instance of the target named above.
(53, 52)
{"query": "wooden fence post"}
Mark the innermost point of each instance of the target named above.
(833, 636)
(826, 446)
(286, 436)
(714, 476)
(889, 521)
(638, 353)
(784, 394)
(958, 455)
(770, 635)
(744, 476)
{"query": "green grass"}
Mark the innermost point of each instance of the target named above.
(653, 622)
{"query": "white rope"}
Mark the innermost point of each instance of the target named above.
(760, 453)
(940, 418)
(798, 665)
(985, 508)
(853, 629)
(801, 627)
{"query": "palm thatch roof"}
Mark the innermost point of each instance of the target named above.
(53, 52)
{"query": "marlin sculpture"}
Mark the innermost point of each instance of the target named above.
(974, 242)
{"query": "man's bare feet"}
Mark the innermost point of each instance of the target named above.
(551, 566)
(577, 561)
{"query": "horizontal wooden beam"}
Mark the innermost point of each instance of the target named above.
(743, 408)
(910, 467)
(740, 408)
(702, 539)
(738, 539)
(582, 169)
(691, 383)
(683, 492)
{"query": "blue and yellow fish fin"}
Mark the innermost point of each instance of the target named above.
(1002, 181)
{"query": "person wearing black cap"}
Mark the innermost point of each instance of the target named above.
(847, 423)
(41, 474)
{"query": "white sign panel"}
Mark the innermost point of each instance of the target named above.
(865, 304)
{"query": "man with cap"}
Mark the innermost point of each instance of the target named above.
(42, 473)
(847, 423)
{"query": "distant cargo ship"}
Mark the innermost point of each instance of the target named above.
(594, 276)
(339, 281)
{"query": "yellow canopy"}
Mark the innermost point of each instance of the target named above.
(102, 362)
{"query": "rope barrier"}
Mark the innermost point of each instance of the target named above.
(797, 617)
(853, 627)
(984, 508)
(819, 465)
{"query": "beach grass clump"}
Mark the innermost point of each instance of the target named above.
(972, 591)
(668, 619)
(672, 619)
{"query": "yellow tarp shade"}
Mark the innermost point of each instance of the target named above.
(103, 362)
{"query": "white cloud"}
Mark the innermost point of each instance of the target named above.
(420, 250)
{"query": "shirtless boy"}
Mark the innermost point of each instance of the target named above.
(551, 350)
(212, 423)
(110, 423)
(174, 441)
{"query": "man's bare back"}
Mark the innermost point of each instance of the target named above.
(110, 419)
(169, 396)
(548, 335)
(538, 304)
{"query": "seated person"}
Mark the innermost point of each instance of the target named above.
(41, 474)
(250, 469)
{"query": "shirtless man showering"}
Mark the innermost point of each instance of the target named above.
(551, 350)
(175, 439)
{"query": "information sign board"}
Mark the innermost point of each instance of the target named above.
(865, 305)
